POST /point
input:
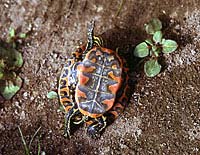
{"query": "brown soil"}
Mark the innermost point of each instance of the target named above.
(163, 116)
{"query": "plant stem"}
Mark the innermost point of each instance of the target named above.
(34, 136)
(120, 8)
(27, 152)
(39, 148)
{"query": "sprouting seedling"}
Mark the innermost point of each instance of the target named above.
(52, 95)
(27, 147)
(153, 47)
(11, 61)
(13, 37)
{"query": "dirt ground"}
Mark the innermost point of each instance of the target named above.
(163, 115)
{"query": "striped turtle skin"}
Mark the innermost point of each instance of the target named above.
(93, 87)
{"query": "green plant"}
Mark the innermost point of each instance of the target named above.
(52, 95)
(27, 147)
(152, 48)
(10, 62)
(13, 37)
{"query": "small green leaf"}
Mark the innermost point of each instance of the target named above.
(2, 64)
(43, 153)
(149, 41)
(157, 37)
(153, 26)
(141, 50)
(150, 52)
(156, 53)
(52, 95)
(14, 45)
(1, 73)
(15, 59)
(8, 88)
(168, 46)
(11, 57)
(18, 61)
(152, 68)
(11, 32)
(154, 48)
(22, 35)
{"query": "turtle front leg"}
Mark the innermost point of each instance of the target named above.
(96, 127)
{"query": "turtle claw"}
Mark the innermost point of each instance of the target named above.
(96, 128)
(93, 133)
(67, 134)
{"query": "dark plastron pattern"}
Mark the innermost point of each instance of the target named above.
(102, 73)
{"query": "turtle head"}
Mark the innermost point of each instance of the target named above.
(92, 40)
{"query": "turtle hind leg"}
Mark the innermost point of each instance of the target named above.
(71, 117)
(96, 127)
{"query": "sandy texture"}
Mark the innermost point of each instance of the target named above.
(163, 115)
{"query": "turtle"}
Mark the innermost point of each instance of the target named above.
(93, 86)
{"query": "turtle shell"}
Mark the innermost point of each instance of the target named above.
(68, 79)
(99, 78)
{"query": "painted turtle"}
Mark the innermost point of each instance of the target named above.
(93, 86)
